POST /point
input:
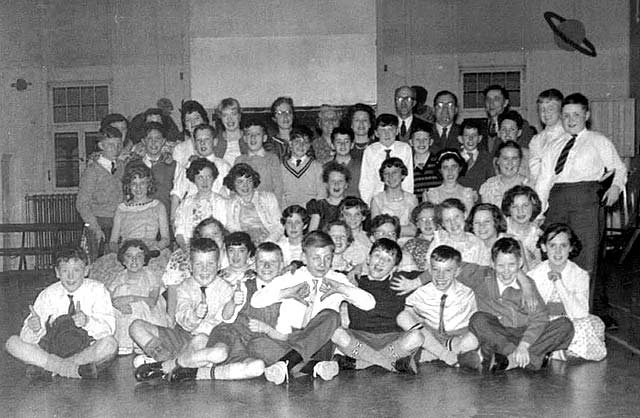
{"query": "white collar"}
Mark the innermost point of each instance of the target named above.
(107, 164)
(502, 287)
(259, 153)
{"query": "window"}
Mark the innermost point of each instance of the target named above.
(474, 82)
(76, 112)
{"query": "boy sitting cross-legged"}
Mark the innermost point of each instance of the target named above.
(310, 301)
(199, 308)
(69, 331)
(373, 337)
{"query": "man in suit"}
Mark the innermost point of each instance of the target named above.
(479, 162)
(446, 132)
(405, 100)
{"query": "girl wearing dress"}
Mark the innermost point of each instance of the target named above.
(487, 222)
(136, 293)
(393, 200)
(336, 178)
(564, 287)
(508, 161)
(450, 165)
(423, 216)
(296, 222)
(521, 205)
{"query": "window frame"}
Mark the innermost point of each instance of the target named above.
(479, 112)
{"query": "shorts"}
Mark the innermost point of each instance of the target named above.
(375, 341)
(230, 335)
(173, 340)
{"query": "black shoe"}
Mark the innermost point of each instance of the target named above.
(38, 373)
(407, 365)
(88, 371)
(499, 363)
(545, 361)
(470, 360)
(149, 371)
(610, 323)
(182, 374)
(344, 362)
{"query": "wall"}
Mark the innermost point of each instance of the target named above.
(428, 42)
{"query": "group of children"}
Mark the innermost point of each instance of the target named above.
(382, 256)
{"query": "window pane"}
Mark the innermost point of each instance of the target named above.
(73, 96)
(59, 114)
(514, 98)
(102, 95)
(484, 79)
(88, 113)
(87, 96)
(469, 82)
(67, 159)
(513, 81)
(59, 97)
(101, 111)
(470, 100)
(74, 114)
(91, 142)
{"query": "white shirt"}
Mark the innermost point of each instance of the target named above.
(502, 287)
(183, 150)
(107, 164)
(372, 158)
(573, 288)
(182, 187)
(218, 293)
(292, 312)
(537, 147)
(232, 152)
(591, 154)
(191, 211)
(407, 123)
(458, 307)
(53, 302)
(440, 128)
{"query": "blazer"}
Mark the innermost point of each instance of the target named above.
(415, 124)
(451, 140)
(479, 172)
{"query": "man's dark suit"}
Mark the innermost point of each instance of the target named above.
(479, 172)
(415, 124)
(451, 140)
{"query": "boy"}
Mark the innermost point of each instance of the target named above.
(328, 120)
(86, 307)
(373, 337)
(388, 226)
(119, 122)
(199, 308)
(310, 301)
(266, 163)
(100, 191)
(549, 106)
(425, 175)
(342, 139)
(479, 162)
(441, 309)
(511, 124)
(376, 153)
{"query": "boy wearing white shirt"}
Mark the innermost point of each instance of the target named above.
(550, 111)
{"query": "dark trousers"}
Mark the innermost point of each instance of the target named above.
(496, 338)
(308, 342)
(97, 248)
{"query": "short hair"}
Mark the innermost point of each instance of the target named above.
(196, 167)
(197, 231)
(576, 98)
(413, 91)
(498, 217)
(361, 107)
(246, 124)
(205, 127)
(328, 108)
(450, 154)
(422, 128)
(113, 118)
(451, 203)
(393, 162)
(280, 100)
(64, 255)
(238, 171)
(204, 245)
(339, 222)
(511, 115)
(553, 230)
(228, 103)
(386, 119)
(389, 246)
(342, 130)
(333, 166)
(109, 131)
(385, 218)
(240, 238)
(134, 243)
(509, 144)
(191, 106)
(443, 253)
(418, 209)
(442, 93)
(292, 210)
(270, 247)
(350, 202)
(137, 168)
(153, 111)
(529, 193)
(491, 87)
(506, 245)
(317, 239)
(155, 126)
(550, 94)
(301, 131)
(470, 124)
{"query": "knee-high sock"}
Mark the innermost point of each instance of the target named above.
(361, 351)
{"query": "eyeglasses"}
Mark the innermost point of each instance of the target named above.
(449, 105)
(283, 113)
(405, 99)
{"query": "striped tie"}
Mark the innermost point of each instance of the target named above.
(564, 154)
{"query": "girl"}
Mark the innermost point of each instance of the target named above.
(393, 200)
(423, 216)
(282, 113)
(508, 160)
(192, 115)
(301, 173)
(342, 238)
(201, 205)
(229, 113)
(450, 216)
(240, 251)
(450, 165)
(296, 222)
(135, 293)
(521, 205)
(564, 287)
(487, 222)
(355, 213)
(179, 265)
(336, 178)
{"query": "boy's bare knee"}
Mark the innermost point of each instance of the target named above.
(341, 337)
(254, 368)
(414, 339)
(13, 345)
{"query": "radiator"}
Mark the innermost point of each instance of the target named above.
(51, 208)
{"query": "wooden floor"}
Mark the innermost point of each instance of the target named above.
(606, 389)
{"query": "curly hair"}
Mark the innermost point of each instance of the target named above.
(393, 162)
(511, 194)
(552, 231)
(339, 222)
(191, 106)
(137, 169)
(333, 166)
(354, 202)
(292, 210)
(451, 203)
(385, 218)
(240, 238)
(499, 222)
(197, 231)
(198, 165)
(361, 107)
(508, 144)
(134, 243)
(451, 154)
(238, 171)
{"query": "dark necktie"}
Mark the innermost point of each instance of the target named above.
(72, 306)
(388, 151)
(298, 163)
(443, 299)
(470, 161)
(564, 154)
(403, 129)
(113, 167)
(203, 290)
(444, 136)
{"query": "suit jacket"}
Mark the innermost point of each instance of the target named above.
(451, 140)
(490, 140)
(415, 124)
(479, 172)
